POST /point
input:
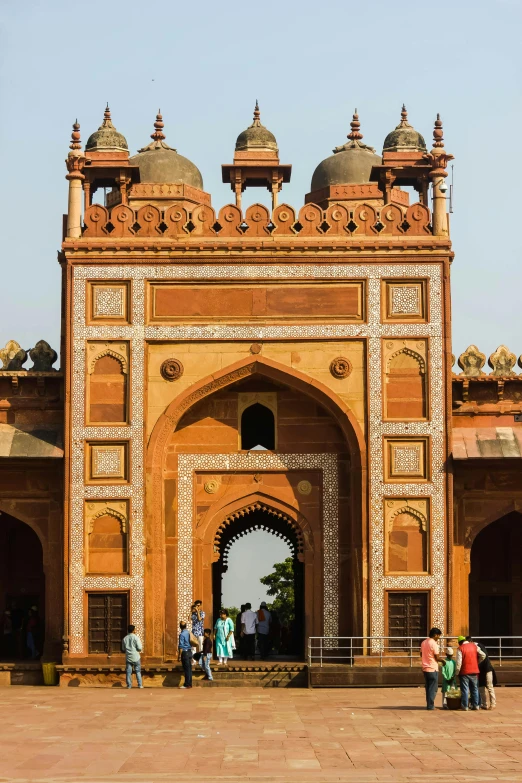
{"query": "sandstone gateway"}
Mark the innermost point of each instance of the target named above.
(287, 369)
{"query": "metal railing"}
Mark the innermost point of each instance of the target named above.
(400, 649)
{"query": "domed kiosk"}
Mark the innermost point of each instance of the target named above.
(256, 162)
(159, 163)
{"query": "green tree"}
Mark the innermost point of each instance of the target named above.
(280, 584)
(233, 612)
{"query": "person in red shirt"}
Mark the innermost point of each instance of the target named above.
(468, 658)
(430, 652)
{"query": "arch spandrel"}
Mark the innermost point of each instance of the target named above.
(266, 368)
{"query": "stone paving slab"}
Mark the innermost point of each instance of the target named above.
(227, 735)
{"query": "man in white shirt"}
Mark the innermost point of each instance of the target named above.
(264, 618)
(248, 632)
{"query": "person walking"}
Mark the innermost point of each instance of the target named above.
(206, 654)
(430, 653)
(197, 618)
(185, 655)
(131, 646)
(224, 629)
(487, 681)
(264, 621)
(248, 632)
(468, 657)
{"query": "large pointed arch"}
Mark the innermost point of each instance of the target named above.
(156, 453)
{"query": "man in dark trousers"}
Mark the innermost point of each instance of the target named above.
(248, 632)
(468, 658)
(185, 655)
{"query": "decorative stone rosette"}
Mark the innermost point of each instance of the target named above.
(171, 369)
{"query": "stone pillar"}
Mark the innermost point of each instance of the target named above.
(440, 218)
(75, 163)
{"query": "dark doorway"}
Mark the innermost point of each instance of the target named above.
(257, 427)
(288, 638)
(407, 617)
(495, 580)
(22, 591)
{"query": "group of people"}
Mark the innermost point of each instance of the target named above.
(473, 667)
(197, 645)
(21, 633)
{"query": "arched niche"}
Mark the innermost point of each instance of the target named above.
(405, 390)
(107, 544)
(107, 401)
(407, 542)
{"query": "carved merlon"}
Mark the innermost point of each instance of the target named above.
(471, 362)
(502, 362)
(311, 221)
(14, 357)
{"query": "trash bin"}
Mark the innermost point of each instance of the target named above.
(50, 675)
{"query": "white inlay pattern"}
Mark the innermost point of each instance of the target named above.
(109, 302)
(405, 300)
(107, 462)
(406, 460)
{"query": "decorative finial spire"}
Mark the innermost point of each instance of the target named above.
(107, 113)
(404, 113)
(355, 125)
(158, 134)
(257, 114)
(75, 137)
(438, 133)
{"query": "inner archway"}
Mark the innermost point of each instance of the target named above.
(495, 582)
(287, 631)
(22, 590)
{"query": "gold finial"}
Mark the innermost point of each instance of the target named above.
(75, 137)
(158, 134)
(355, 125)
(438, 133)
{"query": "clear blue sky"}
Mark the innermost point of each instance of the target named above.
(309, 64)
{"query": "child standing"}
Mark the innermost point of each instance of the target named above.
(206, 654)
(448, 675)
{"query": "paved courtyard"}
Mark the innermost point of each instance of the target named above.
(226, 734)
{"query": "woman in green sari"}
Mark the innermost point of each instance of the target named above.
(224, 629)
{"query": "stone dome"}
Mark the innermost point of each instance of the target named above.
(351, 164)
(256, 136)
(404, 137)
(106, 137)
(159, 163)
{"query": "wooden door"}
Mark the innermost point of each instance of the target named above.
(407, 617)
(108, 615)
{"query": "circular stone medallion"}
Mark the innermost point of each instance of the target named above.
(171, 369)
(340, 367)
(304, 487)
(211, 486)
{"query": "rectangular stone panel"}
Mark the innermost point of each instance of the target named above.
(174, 302)
(404, 300)
(406, 459)
(108, 302)
(107, 462)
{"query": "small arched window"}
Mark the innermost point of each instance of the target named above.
(257, 427)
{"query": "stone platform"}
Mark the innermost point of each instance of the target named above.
(227, 735)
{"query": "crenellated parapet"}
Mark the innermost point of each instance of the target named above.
(499, 391)
(177, 222)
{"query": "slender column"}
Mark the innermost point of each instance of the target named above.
(439, 160)
(75, 163)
